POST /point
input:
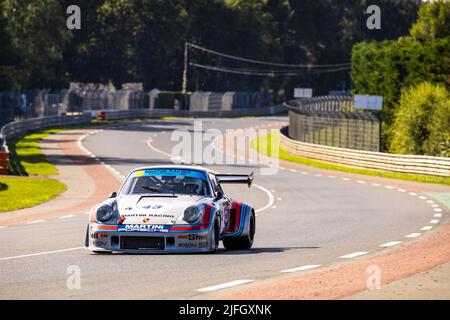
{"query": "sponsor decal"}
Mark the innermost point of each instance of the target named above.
(193, 237)
(99, 243)
(146, 220)
(143, 228)
(96, 235)
(170, 173)
(187, 245)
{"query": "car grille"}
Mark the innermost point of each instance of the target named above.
(142, 243)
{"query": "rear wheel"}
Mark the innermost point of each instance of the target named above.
(242, 243)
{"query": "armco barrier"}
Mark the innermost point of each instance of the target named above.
(156, 113)
(19, 128)
(412, 164)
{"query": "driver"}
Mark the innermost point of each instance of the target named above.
(193, 187)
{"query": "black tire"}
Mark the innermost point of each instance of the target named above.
(216, 233)
(102, 252)
(242, 243)
(86, 241)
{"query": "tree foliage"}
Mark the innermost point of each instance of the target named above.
(387, 68)
(143, 40)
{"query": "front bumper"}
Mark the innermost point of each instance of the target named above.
(148, 242)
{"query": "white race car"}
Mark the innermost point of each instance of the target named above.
(172, 209)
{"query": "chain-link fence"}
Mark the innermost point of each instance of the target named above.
(332, 121)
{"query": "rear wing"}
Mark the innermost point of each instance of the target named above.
(236, 178)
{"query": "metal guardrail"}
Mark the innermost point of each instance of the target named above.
(412, 164)
(332, 121)
(19, 128)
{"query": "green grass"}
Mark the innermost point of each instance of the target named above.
(26, 157)
(25, 192)
(30, 184)
(263, 145)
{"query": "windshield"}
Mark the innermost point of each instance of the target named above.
(167, 181)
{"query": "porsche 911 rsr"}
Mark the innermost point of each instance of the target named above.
(172, 209)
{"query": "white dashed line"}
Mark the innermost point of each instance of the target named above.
(430, 201)
(354, 255)
(390, 244)
(390, 187)
(376, 184)
(434, 221)
(435, 206)
(437, 215)
(346, 179)
(437, 210)
(225, 285)
(427, 228)
(303, 268)
(66, 217)
(361, 182)
(34, 222)
(423, 197)
(401, 190)
(413, 194)
(413, 235)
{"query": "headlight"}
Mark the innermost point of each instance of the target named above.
(191, 214)
(104, 213)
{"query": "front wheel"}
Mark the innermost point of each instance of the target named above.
(215, 237)
(244, 242)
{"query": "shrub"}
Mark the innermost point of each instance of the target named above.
(422, 121)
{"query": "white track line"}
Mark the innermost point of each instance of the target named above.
(413, 235)
(427, 228)
(40, 254)
(376, 184)
(225, 285)
(437, 210)
(66, 217)
(434, 221)
(437, 215)
(390, 244)
(269, 195)
(303, 268)
(34, 222)
(353, 255)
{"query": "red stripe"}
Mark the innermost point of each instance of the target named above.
(236, 205)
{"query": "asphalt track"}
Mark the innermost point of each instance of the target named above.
(314, 220)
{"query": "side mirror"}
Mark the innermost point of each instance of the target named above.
(113, 195)
(219, 195)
